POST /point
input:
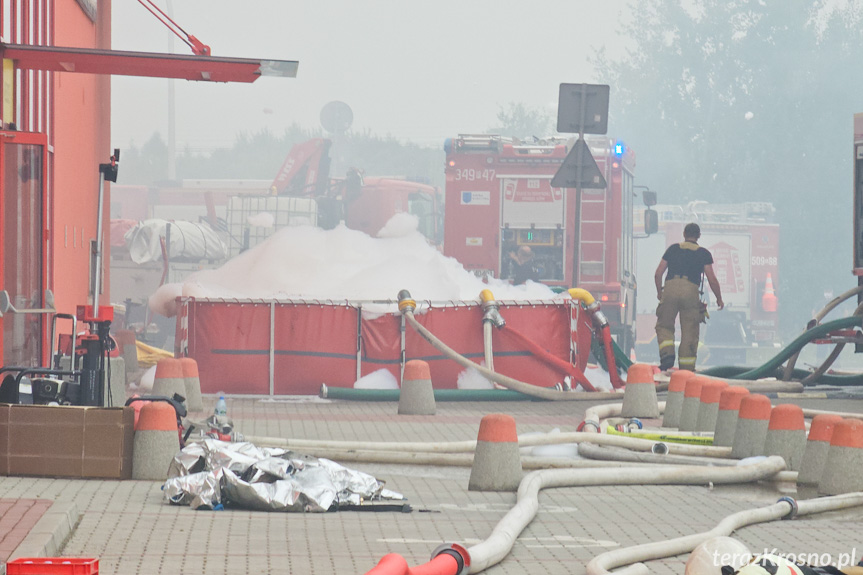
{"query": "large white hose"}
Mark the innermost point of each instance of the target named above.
(507, 382)
(469, 446)
(599, 453)
(487, 344)
(809, 413)
(632, 556)
(497, 546)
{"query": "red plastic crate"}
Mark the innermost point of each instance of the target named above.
(52, 566)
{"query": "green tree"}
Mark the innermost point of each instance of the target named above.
(737, 100)
(521, 121)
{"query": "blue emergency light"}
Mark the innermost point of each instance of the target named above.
(618, 149)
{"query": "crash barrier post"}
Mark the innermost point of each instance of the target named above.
(708, 405)
(156, 441)
(192, 384)
(169, 378)
(751, 430)
(496, 462)
(786, 435)
(674, 399)
(639, 395)
(843, 472)
(691, 402)
(817, 445)
(726, 418)
(416, 396)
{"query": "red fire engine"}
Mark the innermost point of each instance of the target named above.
(499, 197)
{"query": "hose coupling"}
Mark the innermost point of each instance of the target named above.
(583, 426)
(659, 448)
(564, 385)
(459, 553)
(635, 423)
(491, 309)
(599, 318)
(323, 392)
(794, 507)
(406, 302)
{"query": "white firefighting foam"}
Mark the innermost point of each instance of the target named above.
(305, 262)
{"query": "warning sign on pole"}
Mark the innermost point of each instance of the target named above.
(570, 176)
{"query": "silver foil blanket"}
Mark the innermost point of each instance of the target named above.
(213, 474)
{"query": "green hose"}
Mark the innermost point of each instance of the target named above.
(770, 368)
(620, 358)
(734, 371)
(439, 394)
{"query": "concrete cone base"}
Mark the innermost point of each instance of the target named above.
(689, 413)
(496, 467)
(194, 402)
(787, 443)
(168, 386)
(153, 453)
(417, 398)
(639, 400)
(749, 438)
(726, 423)
(673, 405)
(130, 356)
(117, 398)
(814, 458)
(707, 415)
(843, 471)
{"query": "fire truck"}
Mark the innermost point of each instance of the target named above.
(744, 241)
(499, 197)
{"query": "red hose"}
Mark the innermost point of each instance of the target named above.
(395, 564)
(550, 359)
(443, 564)
(390, 564)
(607, 344)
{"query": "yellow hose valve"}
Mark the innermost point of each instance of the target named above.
(581, 295)
(486, 295)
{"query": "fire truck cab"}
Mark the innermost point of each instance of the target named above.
(499, 197)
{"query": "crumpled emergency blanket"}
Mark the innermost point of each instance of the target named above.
(213, 474)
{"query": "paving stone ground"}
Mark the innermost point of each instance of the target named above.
(132, 530)
(17, 518)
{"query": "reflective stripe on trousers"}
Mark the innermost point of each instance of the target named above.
(679, 297)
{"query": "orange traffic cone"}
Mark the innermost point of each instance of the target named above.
(769, 300)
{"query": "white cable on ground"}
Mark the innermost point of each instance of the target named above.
(632, 556)
(497, 546)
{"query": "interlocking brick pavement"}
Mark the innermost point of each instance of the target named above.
(17, 518)
(132, 530)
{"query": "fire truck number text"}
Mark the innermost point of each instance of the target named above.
(764, 260)
(472, 175)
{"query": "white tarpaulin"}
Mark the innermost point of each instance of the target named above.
(188, 241)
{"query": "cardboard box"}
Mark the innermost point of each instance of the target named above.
(74, 442)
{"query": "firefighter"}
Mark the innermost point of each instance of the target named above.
(685, 263)
(522, 267)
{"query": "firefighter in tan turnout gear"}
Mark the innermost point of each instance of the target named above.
(685, 263)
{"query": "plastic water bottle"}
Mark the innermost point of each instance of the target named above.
(221, 406)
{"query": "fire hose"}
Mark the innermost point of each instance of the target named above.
(602, 325)
(407, 306)
(498, 545)
(785, 508)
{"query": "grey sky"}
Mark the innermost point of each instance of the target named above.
(420, 71)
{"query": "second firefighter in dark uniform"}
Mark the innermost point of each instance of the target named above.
(685, 262)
